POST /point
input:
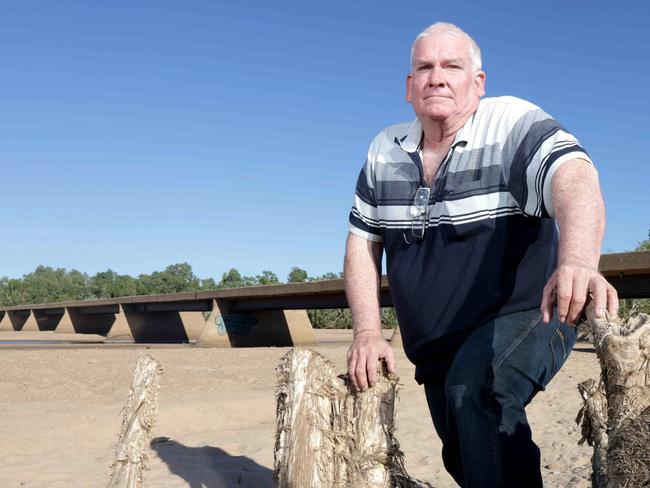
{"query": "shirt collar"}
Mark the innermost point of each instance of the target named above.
(411, 141)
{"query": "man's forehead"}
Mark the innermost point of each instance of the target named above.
(443, 44)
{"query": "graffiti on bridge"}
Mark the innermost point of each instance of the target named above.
(240, 325)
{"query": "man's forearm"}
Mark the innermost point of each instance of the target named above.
(362, 271)
(580, 214)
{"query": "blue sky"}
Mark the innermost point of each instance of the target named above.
(134, 135)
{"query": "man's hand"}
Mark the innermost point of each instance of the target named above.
(569, 288)
(367, 348)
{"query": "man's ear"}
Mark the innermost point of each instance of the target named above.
(479, 82)
(409, 82)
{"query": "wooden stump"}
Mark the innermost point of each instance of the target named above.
(329, 435)
(615, 415)
(139, 414)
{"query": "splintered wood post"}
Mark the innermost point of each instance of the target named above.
(139, 414)
(616, 412)
(328, 434)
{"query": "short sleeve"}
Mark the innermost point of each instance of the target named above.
(543, 145)
(364, 215)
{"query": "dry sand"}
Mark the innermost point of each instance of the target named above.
(60, 414)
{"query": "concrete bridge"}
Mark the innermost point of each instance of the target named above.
(273, 315)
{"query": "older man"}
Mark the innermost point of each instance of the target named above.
(464, 200)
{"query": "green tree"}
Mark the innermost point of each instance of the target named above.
(145, 285)
(208, 284)
(176, 278)
(109, 284)
(46, 284)
(231, 279)
(12, 292)
(297, 275)
(267, 278)
(125, 286)
(102, 284)
(74, 285)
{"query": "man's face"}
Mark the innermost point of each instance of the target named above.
(442, 85)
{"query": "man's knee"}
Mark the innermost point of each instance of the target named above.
(468, 386)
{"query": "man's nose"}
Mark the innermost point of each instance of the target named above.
(437, 77)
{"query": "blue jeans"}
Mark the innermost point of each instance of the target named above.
(478, 411)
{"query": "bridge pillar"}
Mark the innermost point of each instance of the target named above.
(214, 333)
(120, 330)
(228, 328)
(5, 323)
(30, 324)
(300, 329)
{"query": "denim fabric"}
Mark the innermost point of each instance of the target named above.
(478, 410)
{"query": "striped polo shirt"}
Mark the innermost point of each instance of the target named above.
(490, 243)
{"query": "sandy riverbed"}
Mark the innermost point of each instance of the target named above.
(60, 414)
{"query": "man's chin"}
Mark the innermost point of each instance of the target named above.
(438, 115)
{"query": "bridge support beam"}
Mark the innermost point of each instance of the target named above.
(264, 328)
(48, 319)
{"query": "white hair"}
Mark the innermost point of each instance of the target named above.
(447, 28)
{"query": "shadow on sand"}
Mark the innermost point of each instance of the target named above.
(211, 467)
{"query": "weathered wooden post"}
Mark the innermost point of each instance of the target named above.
(139, 414)
(615, 415)
(329, 435)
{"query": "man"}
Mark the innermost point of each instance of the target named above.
(465, 201)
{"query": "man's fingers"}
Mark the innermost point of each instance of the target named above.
(598, 291)
(360, 374)
(563, 295)
(578, 298)
(612, 300)
(371, 369)
(352, 364)
(548, 300)
(389, 357)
